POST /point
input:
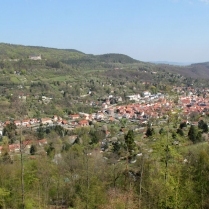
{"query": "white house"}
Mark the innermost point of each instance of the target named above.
(135, 97)
(35, 57)
(146, 94)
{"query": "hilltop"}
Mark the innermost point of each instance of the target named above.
(110, 60)
(11, 51)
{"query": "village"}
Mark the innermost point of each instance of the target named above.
(141, 110)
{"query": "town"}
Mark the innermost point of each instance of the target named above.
(142, 110)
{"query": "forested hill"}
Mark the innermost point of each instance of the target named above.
(200, 70)
(77, 58)
(116, 58)
(11, 51)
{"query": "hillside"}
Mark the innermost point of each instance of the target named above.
(116, 58)
(79, 59)
(199, 70)
(11, 51)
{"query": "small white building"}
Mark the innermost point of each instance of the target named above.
(135, 97)
(146, 94)
(35, 57)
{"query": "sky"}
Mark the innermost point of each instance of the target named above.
(147, 30)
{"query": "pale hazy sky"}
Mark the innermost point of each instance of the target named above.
(147, 30)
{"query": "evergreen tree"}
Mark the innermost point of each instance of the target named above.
(203, 125)
(50, 150)
(194, 135)
(116, 147)
(199, 136)
(182, 125)
(205, 128)
(150, 131)
(180, 132)
(10, 131)
(129, 141)
(40, 132)
(162, 131)
(33, 149)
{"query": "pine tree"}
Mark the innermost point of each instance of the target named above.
(194, 135)
(129, 141)
(150, 131)
(33, 149)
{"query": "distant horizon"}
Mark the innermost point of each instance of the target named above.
(173, 63)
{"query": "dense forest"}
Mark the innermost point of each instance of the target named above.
(171, 171)
(117, 163)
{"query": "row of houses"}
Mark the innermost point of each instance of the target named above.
(136, 111)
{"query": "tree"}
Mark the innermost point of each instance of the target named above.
(5, 151)
(10, 131)
(182, 125)
(205, 128)
(60, 130)
(33, 149)
(50, 150)
(115, 147)
(194, 135)
(96, 135)
(129, 141)
(180, 132)
(40, 132)
(150, 131)
(162, 131)
(202, 125)
(153, 90)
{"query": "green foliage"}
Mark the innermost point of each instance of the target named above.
(182, 125)
(202, 125)
(129, 142)
(50, 150)
(4, 194)
(33, 149)
(150, 131)
(10, 130)
(161, 131)
(194, 135)
(180, 132)
(115, 58)
(60, 130)
(96, 135)
(40, 132)
(116, 147)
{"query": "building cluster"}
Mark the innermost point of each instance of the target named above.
(143, 109)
